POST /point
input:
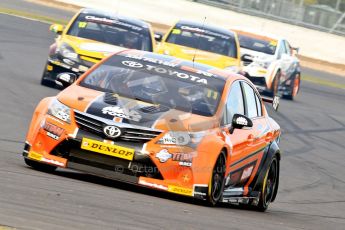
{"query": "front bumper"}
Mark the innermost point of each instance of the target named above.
(56, 66)
(65, 151)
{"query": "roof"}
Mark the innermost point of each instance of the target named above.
(256, 32)
(115, 15)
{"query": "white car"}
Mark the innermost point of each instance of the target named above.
(270, 63)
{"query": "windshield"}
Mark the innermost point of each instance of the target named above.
(161, 85)
(263, 44)
(203, 39)
(111, 31)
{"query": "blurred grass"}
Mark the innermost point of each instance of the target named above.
(32, 16)
(321, 81)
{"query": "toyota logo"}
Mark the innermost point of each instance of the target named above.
(112, 131)
(132, 64)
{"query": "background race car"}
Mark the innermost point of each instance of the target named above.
(150, 119)
(202, 43)
(90, 36)
(270, 63)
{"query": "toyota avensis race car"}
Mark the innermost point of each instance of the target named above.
(163, 123)
(270, 63)
(90, 36)
(205, 44)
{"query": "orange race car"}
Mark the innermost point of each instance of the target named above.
(163, 123)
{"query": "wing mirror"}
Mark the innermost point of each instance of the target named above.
(65, 79)
(158, 36)
(240, 121)
(56, 28)
(247, 58)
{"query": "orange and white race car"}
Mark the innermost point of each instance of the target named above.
(270, 63)
(163, 123)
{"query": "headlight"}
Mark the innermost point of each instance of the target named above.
(68, 52)
(60, 111)
(181, 138)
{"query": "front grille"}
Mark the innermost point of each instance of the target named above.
(93, 125)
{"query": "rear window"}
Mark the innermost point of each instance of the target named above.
(157, 82)
(112, 31)
(203, 39)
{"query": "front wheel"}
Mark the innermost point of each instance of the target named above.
(270, 185)
(275, 85)
(216, 185)
(294, 87)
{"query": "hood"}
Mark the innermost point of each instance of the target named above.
(91, 48)
(125, 110)
(204, 57)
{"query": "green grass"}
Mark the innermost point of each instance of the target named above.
(32, 16)
(323, 82)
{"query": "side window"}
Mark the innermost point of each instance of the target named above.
(258, 105)
(282, 49)
(250, 101)
(287, 47)
(234, 102)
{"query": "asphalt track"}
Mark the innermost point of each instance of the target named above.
(312, 185)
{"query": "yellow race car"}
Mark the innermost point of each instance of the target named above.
(90, 36)
(201, 43)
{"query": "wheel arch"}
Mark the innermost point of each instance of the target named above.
(271, 151)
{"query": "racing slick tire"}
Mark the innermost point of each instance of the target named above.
(275, 85)
(39, 166)
(269, 186)
(295, 86)
(217, 181)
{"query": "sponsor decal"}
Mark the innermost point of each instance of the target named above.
(53, 131)
(111, 21)
(186, 164)
(247, 172)
(112, 131)
(107, 149)
(152, 185)
(35, 156)
(186, 157)
(133, 64)
(180, 190)
(152, 60)
(241, 121)
(163, 155)
(161, 70)
(203, 31)
(117, 111)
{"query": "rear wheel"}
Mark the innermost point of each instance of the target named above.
(216, 184)
(294, 87)
(39, 166)
(269, 186)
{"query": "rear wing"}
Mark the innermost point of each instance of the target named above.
(274, 101)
